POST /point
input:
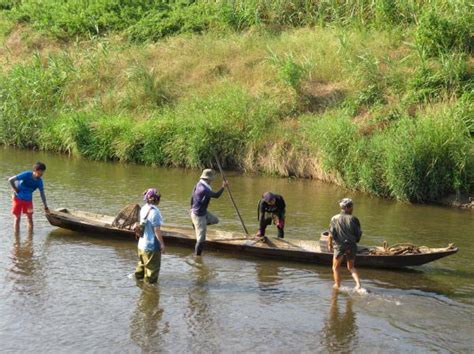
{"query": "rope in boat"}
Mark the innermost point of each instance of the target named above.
(401, 249)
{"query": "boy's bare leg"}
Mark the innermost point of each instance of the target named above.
(29, 218)
(16, 224)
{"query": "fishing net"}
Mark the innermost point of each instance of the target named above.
(127, 217)
(398, 249)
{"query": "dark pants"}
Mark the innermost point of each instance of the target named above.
(280, 224)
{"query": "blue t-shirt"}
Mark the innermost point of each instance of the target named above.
(149, 242)
(26, 185)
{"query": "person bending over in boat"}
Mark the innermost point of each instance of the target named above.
(271, 208)
(151, 244)
(200, 199)
(346, 233)
(23, 185)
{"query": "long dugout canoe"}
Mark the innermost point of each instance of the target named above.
(307, 251)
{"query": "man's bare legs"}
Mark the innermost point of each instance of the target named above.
(355, 275)
(336, 265)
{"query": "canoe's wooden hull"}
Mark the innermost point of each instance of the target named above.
(290, 250)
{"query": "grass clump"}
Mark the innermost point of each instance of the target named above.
(419, 159)
(69, 132)
(427, 158)
(29, 94)
(170, 19)
(68, 19)
(439, 33)
(222, 123)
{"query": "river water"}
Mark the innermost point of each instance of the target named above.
(64, 291)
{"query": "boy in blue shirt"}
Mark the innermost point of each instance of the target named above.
(23, 185)
(151, 244)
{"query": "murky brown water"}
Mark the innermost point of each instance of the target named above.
(63, 291)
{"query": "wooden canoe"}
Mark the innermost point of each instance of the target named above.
(282, 249)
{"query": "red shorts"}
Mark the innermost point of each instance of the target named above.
(19, 206)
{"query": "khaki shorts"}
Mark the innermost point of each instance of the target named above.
(346, 249)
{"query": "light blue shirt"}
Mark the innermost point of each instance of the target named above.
(149, 242)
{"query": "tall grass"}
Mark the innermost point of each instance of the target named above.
(29, 94)
(189, 134)
(152, 20)
(418, 159)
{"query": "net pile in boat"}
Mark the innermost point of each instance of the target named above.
(399, 249)
(127, 217)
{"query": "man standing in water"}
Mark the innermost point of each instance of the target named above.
(23, 185)
(151, 244)
(346, 233)
(200, 199)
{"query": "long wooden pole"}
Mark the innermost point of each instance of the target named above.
(230, 195)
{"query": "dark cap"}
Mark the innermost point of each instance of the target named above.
(268, 196)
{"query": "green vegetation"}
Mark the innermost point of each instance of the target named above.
(373, 95)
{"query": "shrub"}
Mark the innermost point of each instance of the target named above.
(105, 136)
(427, 158)
(67, 19)
(289, 71)
(146, 89)
(169, 20)
(221, 123)
(447, 77)
(413, 160)
(437, 34)
(333, 136)
(69, 132)
(29, 94)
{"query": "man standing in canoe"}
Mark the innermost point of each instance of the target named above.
(271, 208)
(23, 185)
(151, 244)
(346, 233)
(200, 199)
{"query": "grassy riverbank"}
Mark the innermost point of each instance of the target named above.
(376, 96)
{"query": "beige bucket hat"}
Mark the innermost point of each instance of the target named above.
(208, 174)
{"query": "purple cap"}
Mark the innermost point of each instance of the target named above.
(151, 193)
(268, 196)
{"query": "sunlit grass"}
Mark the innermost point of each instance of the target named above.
(352, 100)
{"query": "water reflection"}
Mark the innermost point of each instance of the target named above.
(145, 322)
(199, 317)
(340, 332)
(22, 254)
(268, 278)
(23, 263)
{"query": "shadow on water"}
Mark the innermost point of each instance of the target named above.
(340, 331)
(146, 328)
(199, 317)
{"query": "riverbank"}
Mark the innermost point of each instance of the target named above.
(369, 107)
(461, 202)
